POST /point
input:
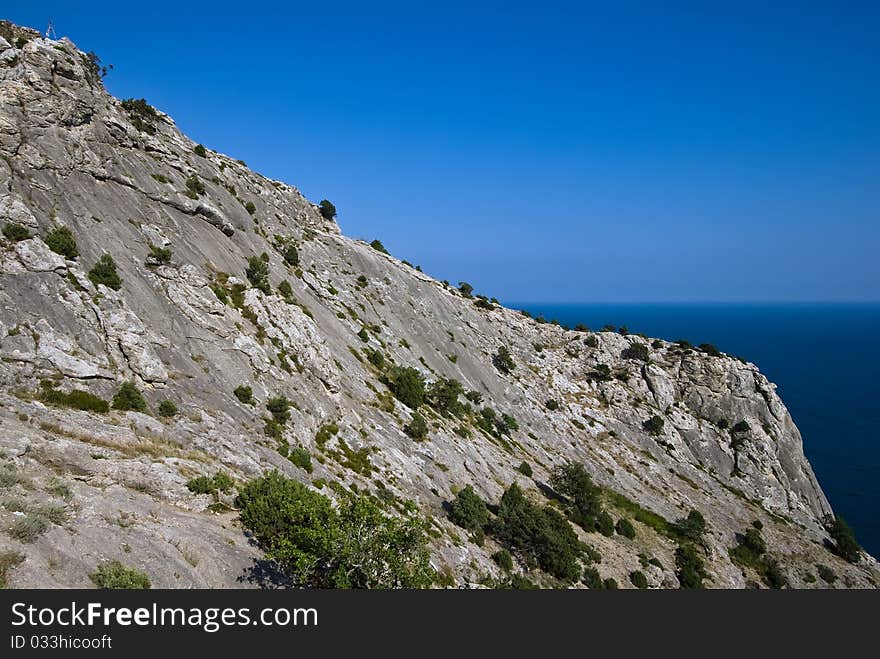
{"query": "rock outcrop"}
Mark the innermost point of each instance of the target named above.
(189, 327)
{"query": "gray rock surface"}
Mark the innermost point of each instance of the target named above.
(70, 154)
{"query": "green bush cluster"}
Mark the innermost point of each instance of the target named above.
(167, 409)
(76, 399)
(751, 552)
(625, 528)
(638, 579)
(638, 351)
(654, 425)
(690, 569)
(160, 255)
(417, 428)
(319, 546)
(301, 458)
(219, 482)
(291, 255)
(116, 576)
(503, 361)
(845, 544)
(327, 209)
(408, 386)
(61, 241)
(469, 511)
(257, 272)
(200, 151)
(690, 528)
(245, 394)
(15, 232)
(104, 272)
(378, 246)
(194, 187)
(142, 115)
(128, 397)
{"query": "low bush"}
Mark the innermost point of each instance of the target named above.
(378, 246)
(592, 579)
(408, 386)
(690, 569)
(291, 255)
(219, 482)
(327, 209)
(15, 232)
(638, 579)
(279, 408)
(61, 241)
(465, 288)
(552, 405)
(141, 114)
(104, 272)
(301, 458)
(654, 425)
(525, 469)
(76, 399)
(257, 272)
(116, 576)
(128, 397)
(826, 574)
(167, 409)
(625, 528)
(709, 349)
(503, 361)
(845, 544)
(159, 255)
(194, 187)
(319, 546)
(638, 351)
(245, 394)
(691, 528)
(417, 428)
(468, 510)
(504, 560)
(200, 151)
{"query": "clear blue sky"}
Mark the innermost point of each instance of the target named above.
(542, 151)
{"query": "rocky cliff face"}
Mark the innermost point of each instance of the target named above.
(112, 485)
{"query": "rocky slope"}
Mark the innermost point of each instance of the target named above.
(112, 485)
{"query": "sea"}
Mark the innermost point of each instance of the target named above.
(824, 358)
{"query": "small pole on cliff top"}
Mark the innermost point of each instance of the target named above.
(50, 31)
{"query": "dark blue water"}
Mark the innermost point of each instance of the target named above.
(825, 360)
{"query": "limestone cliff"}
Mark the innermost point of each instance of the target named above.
(188, 327)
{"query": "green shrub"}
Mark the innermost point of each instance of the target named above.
(257, 272)
(625, 528)
(552, 405)
(690, 569)
(141, 114)
(61, 241)
(742, 426)
(584, 504)
(605, 524)
(77, 399)
(167, 409)
(159, 255)
(691, 528)
(15, 232)
(301, 458)
(845, 544)
(503, 361)
(378, 246)
(638, 579)
(466, 289)
(327, 209)
(354, 546)
(104, 272)
(654, 425)
(362, 281)
(250, 207)
(417, 428)
(128, 397)
(826, 574)
(375, 357)
(291, 255)
(115, 576)
(219, 482)
(279, 408)
(504, 560)
(468, 510)
(200, 151)
(610, 584)
(28, 528)
(8, 561)
(245, 394)
(408, 386)
(363, 335)
(638, 351)
(194, 187)
(592, 579)
(525, 469)
(709, 349)
(443, 395)
(286, 291)
(542, 535)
